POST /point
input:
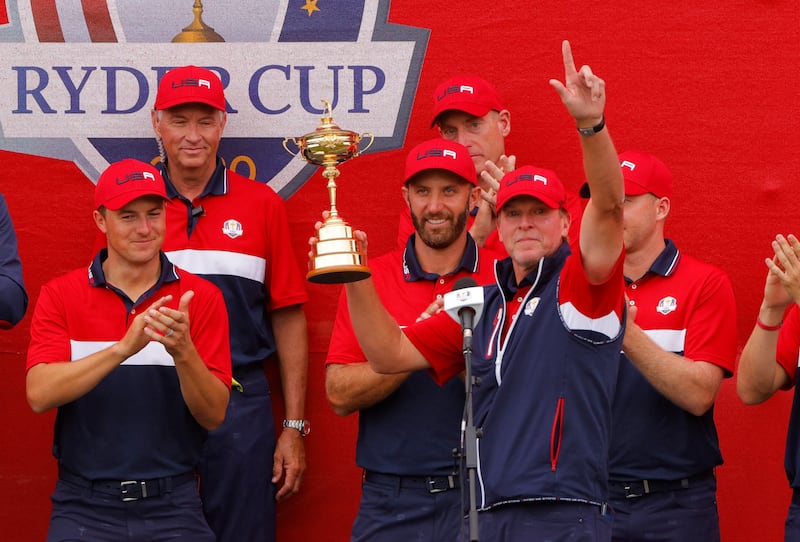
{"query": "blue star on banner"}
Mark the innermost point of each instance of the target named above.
(335, 20)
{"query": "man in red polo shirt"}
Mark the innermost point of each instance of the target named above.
(234, 232)
(134, 354)
(408, 425)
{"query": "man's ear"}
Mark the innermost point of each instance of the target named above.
(154, 121)
(567, 218)
(100, 221)
(475, 196)
(504, 120)
(664, 206)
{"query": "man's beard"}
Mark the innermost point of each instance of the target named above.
(444, 237)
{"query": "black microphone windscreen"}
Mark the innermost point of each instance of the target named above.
(464, 282)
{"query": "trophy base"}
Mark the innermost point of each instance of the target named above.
(338, 275)
(338, 257)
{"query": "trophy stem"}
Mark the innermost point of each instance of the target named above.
(331, 173)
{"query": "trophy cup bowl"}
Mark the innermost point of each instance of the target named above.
(337, 256)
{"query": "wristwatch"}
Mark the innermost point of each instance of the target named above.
(303, 426)
(588, 132)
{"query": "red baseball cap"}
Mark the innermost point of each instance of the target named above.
(471, 95)
(542, 184)
(190, 84)
(441, 153)
(124, 181)
(643, 174)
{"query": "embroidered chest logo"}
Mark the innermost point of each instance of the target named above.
(667, 305)
(232, 228)
(531, 305)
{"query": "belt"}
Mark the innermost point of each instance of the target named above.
(431, 484)
(129, 490)
(638, 488)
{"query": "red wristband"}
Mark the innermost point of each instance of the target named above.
(765, 327)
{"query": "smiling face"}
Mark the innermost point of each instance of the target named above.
(530, 230)
(484, 136)
(135, 232)
(439, 202)
(190, 134)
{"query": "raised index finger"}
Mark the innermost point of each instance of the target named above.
(569, 62)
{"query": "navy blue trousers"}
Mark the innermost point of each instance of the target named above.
(236, 468)
(390, 513)
(543, 522)
(79, 514)
(682, 515)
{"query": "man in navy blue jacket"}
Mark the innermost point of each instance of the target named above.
(13, 298)
(546, 350)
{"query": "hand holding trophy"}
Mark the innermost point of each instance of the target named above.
(338, 257)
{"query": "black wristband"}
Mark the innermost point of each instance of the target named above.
(594, 129)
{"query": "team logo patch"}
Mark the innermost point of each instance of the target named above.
(667, 305)
(531, 305)
(232, 228)
(79, 78)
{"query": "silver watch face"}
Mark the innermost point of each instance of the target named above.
(300, 425)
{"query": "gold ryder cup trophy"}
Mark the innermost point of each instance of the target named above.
(337, 256)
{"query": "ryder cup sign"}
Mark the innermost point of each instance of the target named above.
(79, 77)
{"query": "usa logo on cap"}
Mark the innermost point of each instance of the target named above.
(440, 153)
(126, 180)
(542, 184)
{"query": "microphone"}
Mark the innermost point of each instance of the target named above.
(465, 305)
(198, 211)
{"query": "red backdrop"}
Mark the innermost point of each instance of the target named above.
(709, 90)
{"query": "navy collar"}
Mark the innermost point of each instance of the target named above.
(217, 184)
(666, 262)
(548, 267)
(97, 279)
(412, 271)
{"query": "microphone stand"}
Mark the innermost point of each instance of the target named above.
(471, 435)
